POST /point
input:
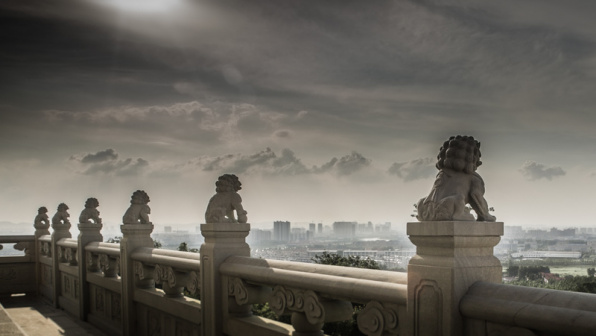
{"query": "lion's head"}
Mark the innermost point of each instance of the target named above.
(91, 203)
(139, 197)
(460, 153)
(62, 207)
(42, 210)
(227, 182)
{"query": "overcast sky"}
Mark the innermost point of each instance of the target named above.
(326, 110)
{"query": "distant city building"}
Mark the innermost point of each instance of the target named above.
(281, 231)
(298, 234)
(320, 228)
(312, 228)
(546, 254)
(344, 229)
(258, 236)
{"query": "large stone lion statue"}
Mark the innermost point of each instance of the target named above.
(222, 205)
(90, 212)
(456, 185)
(61, 216)
(139, 211)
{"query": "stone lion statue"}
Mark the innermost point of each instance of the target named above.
(42, 221)
(139, 211)
(222, 205)
(456, 185)
(61, 216)
(90, 212)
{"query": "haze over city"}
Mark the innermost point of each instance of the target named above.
(327, 111)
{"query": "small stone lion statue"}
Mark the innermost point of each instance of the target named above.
(61, 216)
(456, 185)
(222, 205)
(90, 212)
(42, 221)
(138, 212)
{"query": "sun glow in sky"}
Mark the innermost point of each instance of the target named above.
(327, 111)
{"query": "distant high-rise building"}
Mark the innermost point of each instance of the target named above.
(312, 227)
(281, 230)
(320, 228)
(344, 229)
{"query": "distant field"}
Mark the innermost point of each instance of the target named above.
(570, 270)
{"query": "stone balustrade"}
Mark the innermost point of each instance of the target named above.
(500, 310)
(453, 286)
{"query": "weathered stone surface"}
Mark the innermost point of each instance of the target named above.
(138, 212)
(450, 257)
(90, 214)
(222, 205)
(457, 185)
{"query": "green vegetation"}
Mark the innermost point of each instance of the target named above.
(184, 247)
(576, 283)
(117, 239)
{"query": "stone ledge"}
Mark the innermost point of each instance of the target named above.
(455, 228)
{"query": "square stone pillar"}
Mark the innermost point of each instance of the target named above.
(133, 237)
(60, 231)
(88, 232)
(222, 240)
(450, 257)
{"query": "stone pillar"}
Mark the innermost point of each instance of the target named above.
(450, 257)
(222, 240)
(133, 237)
(89, 232)
(60, 231)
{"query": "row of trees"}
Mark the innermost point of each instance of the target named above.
(531, 276)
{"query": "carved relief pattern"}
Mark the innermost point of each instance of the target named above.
(92, 262)
(45, 249)
(70, 254)
(108, 265)
(154, 327)
(237, 289)
(194, 284)
(116, 307)
(22, 246)
(286, 300)
(66, 290)
(377, 319)
(165, 274)
(76, 288)
(8, 274)
(99, 299)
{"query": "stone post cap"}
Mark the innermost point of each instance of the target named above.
(137, 229)
(89, 226)
(454, 228)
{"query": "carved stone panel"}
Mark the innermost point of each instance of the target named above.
(428, 306)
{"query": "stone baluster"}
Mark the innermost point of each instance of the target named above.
(89, 232)
(61, 227)
(222, 240)
(450, 257)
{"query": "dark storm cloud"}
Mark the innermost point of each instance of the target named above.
(107, 163)
(267, 162)
(536, 171)
(346, 165)
(414, 170)
(101, 156)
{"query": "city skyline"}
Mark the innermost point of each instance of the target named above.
(331, 111)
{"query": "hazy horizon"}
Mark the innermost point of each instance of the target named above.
(327, 111)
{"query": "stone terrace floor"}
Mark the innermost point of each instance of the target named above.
(30, 316)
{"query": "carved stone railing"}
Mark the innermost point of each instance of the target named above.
(104, 287)
(174, 272)
(68, 292)
(314, 294)
(17, 272)
(500, 310)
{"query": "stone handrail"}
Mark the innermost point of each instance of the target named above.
(23, 243)
(67, 250)
(320, 293)
(174, 270)
(506, 306)
(104, 257)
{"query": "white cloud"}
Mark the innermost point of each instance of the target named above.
(536, 171)
(414, 170)
(106, 162)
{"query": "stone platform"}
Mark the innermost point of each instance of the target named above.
(30, 316)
